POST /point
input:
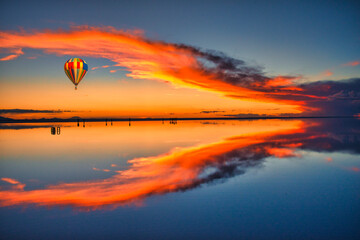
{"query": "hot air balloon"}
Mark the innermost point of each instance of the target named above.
(75, 69)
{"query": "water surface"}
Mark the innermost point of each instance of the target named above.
(259, 179)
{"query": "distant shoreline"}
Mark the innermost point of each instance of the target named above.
(47, 120)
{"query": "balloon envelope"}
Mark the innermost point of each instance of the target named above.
(75, 69)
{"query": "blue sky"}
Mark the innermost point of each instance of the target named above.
(285, 37)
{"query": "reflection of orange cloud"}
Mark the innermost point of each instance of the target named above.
(152, 60)
(180, 169)
(329, 159)
(10, 57)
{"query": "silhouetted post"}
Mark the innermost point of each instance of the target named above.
(106, 122)
(78, 122)
(162, 121)
(111, 121)
(129, 122)
(84, 123)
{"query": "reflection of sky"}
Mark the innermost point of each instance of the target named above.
(285, 181)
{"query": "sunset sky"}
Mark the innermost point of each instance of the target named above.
(180, 58)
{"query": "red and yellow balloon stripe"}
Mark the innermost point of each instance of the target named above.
(75, 69)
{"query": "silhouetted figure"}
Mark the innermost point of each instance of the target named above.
(84, 123)
(106, 122)
(58, 130)
(53, 131)
(111, 121)
(162, 121)
(129, 122)
(78, 122)
(173, 121)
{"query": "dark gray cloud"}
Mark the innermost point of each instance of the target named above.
(212, 111)
(246, 115)
(231, 70)
(22, 111)
(342, 98)
(331, 98)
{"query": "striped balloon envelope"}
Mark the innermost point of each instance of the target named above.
(75, 69)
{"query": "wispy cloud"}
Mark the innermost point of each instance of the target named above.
(16, 53)
(16, 185)
(22, 111)
(353, 64)
(212, 111)
(327, 73)
(10, 180)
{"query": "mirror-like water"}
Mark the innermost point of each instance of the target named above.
(261, 179)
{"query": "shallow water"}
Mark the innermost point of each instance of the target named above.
(260, 179)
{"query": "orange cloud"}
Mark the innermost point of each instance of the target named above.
(17, 52)
(17, 185)
(179, 65)
(10, 180)
(327, 73)
(353, 64)
(282, 152)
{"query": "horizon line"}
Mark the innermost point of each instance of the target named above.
(10, 120)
